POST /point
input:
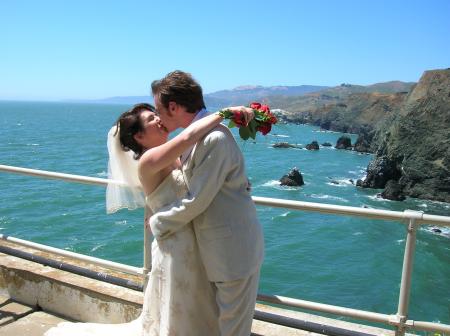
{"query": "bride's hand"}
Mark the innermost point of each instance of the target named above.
(247, 113)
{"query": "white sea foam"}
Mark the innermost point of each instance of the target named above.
(358, 233)
(272, 183)
(33, 144)
(276, 184)
(437, 230)
(324, 131)
(95, 248)
(280, 135)
(342, 182)
(102, 174)
(282, 215)
(377, 197)
(122, 222)
(322, 196)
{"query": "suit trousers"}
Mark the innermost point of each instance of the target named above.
(236, 301)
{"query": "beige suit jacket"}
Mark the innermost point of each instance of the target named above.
(224, 217)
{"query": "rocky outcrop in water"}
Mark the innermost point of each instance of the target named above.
(364, 143)
(344, 142)
(293, 179)
(313, 146)
(285, 145)
(379, 172)
(414, 146)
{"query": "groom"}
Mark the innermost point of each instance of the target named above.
(219, 205)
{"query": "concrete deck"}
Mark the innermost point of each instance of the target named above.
(33, 298)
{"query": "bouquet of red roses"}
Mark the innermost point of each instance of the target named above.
(262, 122)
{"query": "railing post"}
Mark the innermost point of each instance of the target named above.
(147, 247)
(408, 261)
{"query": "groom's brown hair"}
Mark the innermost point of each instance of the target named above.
(181, 88)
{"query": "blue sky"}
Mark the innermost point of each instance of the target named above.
(52, 50)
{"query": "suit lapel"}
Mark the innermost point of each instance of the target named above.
(188, 165)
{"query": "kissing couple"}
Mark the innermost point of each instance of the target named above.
(208, 244)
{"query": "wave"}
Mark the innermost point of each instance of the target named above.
(285, 214)
(95, 248)
(324, 131)
(437, 230)
(102, 174)
(122, 222)
(323, 196)
(378, 198)
(342, 182)
(276, 184)
(280, 135)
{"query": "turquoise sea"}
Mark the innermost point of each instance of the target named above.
(346, 261)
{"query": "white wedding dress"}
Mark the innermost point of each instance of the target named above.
(179, 299)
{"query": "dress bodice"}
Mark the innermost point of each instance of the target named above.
(172, 188)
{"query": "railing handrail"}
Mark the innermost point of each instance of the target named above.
(414, 218)
(274, 202)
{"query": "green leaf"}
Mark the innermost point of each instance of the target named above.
(231, 124)
(252, 125)
(244, 132)
(252, 128)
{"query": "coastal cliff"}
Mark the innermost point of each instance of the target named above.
(413, 145)
(345, 108)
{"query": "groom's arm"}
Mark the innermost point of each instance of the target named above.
(213, 162)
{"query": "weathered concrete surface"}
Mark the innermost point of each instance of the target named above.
(50, 289)
(12, 311)
(35, 324)
(91, 300)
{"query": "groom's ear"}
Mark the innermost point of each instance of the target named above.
(172, 108)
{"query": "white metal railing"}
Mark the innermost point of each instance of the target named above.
(398, 320)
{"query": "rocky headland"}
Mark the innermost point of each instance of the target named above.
(413, 146)
(406, 126)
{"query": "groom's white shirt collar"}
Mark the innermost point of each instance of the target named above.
(200, 114)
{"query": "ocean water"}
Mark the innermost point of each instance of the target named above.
(345, 261)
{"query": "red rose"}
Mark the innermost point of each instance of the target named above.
(255, 106)
(264, 128)
(238, 118)
(265, 108)
(273, 119)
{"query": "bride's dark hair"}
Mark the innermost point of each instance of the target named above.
(128, 124)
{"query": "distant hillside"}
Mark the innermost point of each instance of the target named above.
(239, 96)
(242, 95)
(292, 98)
(308, 103)
(347, 114)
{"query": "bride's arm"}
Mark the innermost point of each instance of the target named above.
(160, 157)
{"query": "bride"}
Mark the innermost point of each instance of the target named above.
(179, 299)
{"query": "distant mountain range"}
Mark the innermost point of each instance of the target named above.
(283, 95)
